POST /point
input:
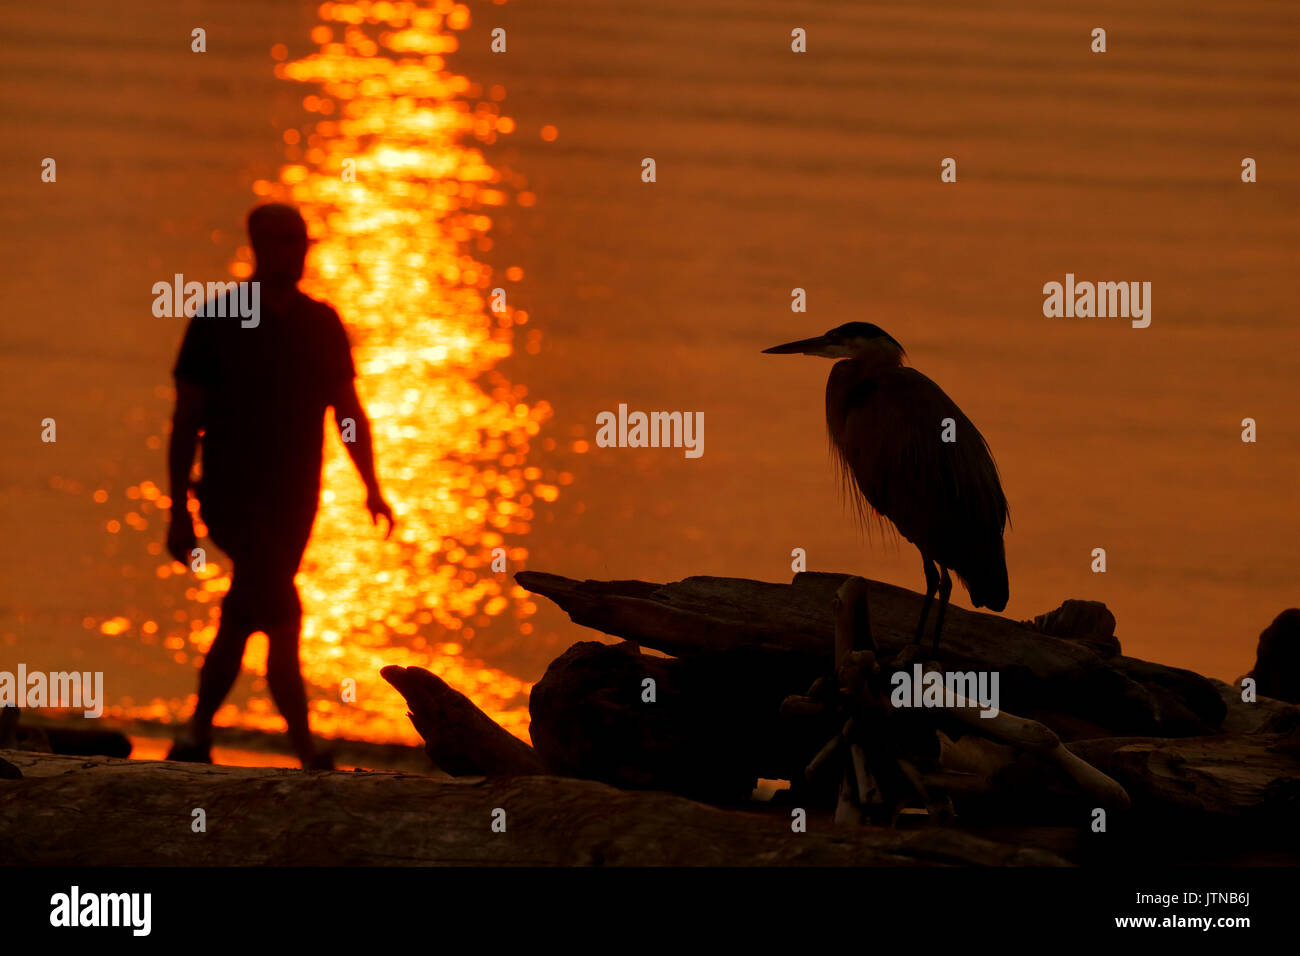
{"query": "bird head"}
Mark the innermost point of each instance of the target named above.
(853, 340)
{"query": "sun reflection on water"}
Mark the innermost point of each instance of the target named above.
(397, 196)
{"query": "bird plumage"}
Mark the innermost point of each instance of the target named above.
(946, 498)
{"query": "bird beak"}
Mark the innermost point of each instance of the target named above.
(814, 346)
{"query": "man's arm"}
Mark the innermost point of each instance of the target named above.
(347, 407)
(186, 422)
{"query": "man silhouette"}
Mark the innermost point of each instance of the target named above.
(256, 393)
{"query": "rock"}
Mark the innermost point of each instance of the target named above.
(1277, 658)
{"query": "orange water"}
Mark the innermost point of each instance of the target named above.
(399, 202)
(776, 171)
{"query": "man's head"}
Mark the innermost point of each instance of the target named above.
(279, 239)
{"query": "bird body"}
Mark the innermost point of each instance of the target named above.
(917, 461)
(886, 429)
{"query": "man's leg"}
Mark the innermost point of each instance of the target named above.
(283, 672)
(221, 665)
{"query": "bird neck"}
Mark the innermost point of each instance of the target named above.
(850, 382)
(878, 353)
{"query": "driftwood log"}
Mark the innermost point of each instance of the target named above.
(458, 737)
(1077, 692)
(875, 748)
(100, 811)
(1070, 685)
(708, 726)
(17, 733)
(1241, 777)
(716, 726)
(883, 751)
(711, 730)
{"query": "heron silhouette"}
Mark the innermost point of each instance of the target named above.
(918, 462)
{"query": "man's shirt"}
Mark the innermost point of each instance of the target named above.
(267, 389)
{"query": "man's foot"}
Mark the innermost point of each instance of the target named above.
(189, 750)
(320, 761)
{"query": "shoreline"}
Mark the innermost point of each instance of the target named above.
(238, 746)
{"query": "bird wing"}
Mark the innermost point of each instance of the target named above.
(944, 497)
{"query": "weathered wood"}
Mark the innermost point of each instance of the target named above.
(852, 637)
(1185, 703)
(459, 738)
(712, 728)
(1029, 735)
(852, 620)
(1062, 683)
(861, 682)
(829, 749)
(877, 735)
(1089, 622)
(100, 811)
(18, 734)
(715, 724)
(1242, 776)
(9, 728)
(698, 615)
(22, 729)
(1264, 715)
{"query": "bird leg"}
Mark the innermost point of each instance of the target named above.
(945, 589)
(931, 585)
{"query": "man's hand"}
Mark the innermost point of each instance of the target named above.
(180, 536)
(378, 508)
